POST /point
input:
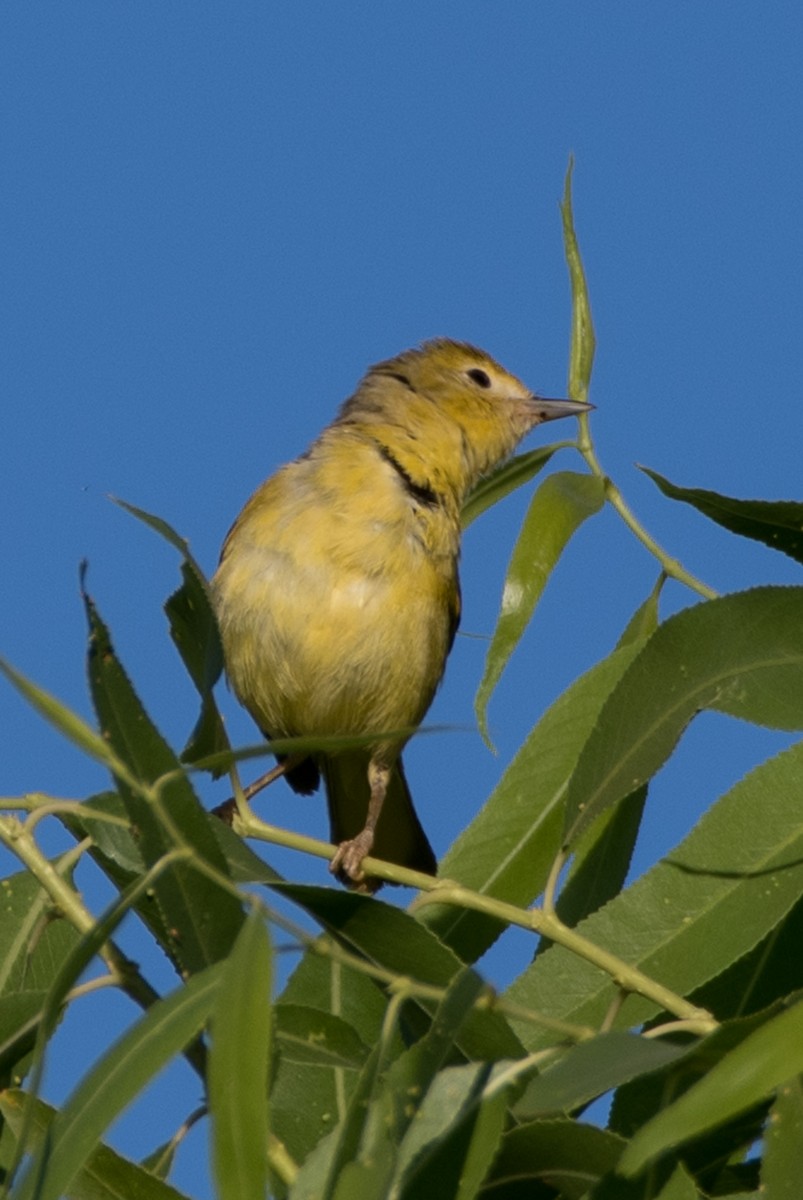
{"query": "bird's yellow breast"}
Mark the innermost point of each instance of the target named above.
(336, 596)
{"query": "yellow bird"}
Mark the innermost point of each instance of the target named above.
(338, 595)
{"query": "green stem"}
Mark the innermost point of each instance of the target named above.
(548, 924)
(625, 976)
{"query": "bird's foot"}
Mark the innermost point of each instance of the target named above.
(347, 863)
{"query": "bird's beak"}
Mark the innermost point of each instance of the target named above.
(550, 410)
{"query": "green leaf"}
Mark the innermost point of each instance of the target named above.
(590, 1069)
(114, 1081)
(194, 630)
(105, 1175)
(238, 1066)
(773, 969)
(644, 621)
(202, 917)
(601, 860)
(680, 1186)
(783, 1144)
(558, 508)
(664, 1183)
(164, 530)
(309, 1037)
(35, 938)
(508, 848)
(320, 1177)
(453, 1139)
(581, 359)
(763, 1061)
(740, 654)
(35, 943)
(567, 1155)
(308, 1100)
(245, 866)
(409, 1078)
(729, 882)
(62, 718)
(505, 479)
(105, 819)
(776, 523)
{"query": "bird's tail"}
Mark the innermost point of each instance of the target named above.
(399, 837)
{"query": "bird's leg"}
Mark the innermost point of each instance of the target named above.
(227, 809)
(347, 862)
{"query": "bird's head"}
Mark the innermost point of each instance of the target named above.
(451, 394)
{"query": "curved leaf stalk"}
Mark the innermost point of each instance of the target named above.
(670, 566)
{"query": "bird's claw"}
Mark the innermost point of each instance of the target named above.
(347, 863)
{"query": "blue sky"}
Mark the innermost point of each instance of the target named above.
(214, 217)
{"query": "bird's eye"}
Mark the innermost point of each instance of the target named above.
(480, 377)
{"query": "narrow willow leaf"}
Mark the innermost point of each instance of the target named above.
(505, 479)
(680, 1186)
(568, 1155)
(741, 654)
(35, 942)
(194, 630)
(508, 848)
(601, 860)
(583, 344)
(309, 1100)
(104, 818)
(164, 530)
(411, 1075)
(307, 1036)
(238, 1066)
(449, 1120)
(782, 1170)
(665, 1182)
(711, 900)
(244, 865)
(20, 1017)
(323, 1168)
(61, 717)
(644, 621)
(776, 523)
(763, 1062)
(34, 939)
(590, 1069)
(773, 968)
(115, 1080)
(203, 917)
(557, 510)
(454, 1137)
(105, 1175)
